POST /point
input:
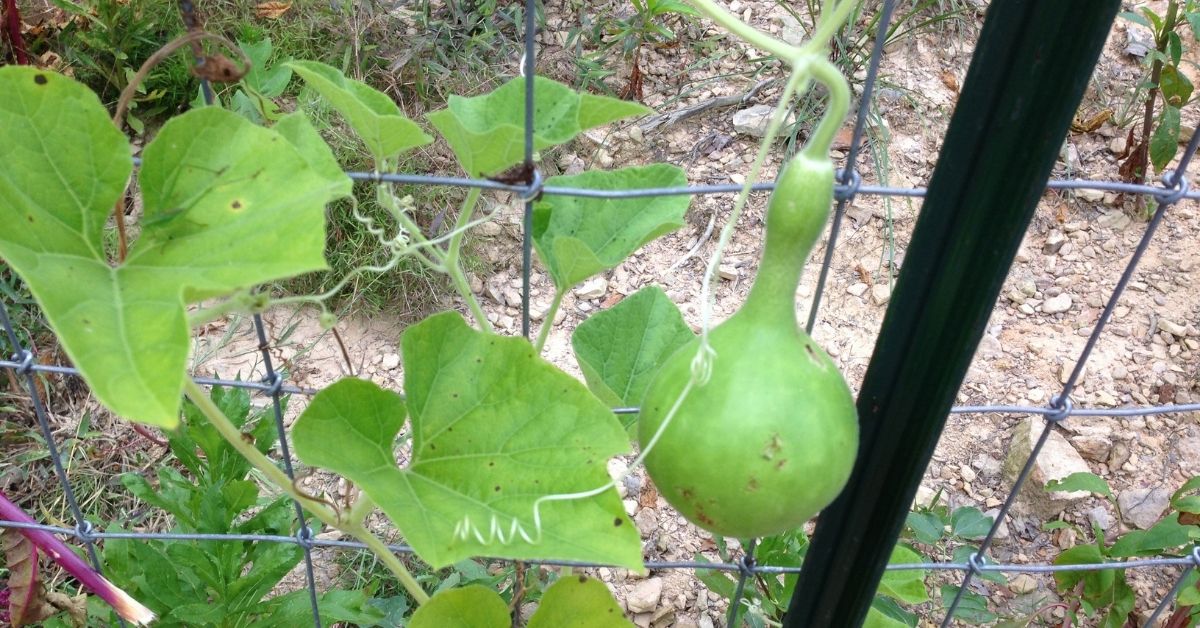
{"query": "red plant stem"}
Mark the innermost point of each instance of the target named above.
(12, 26)
(126, 606)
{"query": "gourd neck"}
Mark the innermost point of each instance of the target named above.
(796, 216)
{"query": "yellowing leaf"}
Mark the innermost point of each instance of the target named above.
(271, 10)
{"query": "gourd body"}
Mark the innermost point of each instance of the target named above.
(770, 439)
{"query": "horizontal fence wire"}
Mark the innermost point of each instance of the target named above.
(849, 186)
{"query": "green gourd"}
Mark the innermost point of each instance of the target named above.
(770, 439)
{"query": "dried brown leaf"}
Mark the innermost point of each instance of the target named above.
(27, 600)
(271, 10)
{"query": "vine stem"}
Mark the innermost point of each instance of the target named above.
(548, 321)
(453, 253)
(326, 515)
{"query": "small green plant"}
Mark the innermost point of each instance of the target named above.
(108, 39)
(1167, 89)
(1105, 596)
(628, 33)
(229, 583)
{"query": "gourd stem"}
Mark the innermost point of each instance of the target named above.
(464, 288)
(822, 137)
(747, 33)
(548, 321)
(798, 78)
(464, 216)
(326, 515)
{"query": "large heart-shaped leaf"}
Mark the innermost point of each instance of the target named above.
(474, 606)
(371, 113)
(620, 349)
(494, 429)
(487, 133)
(578, 602)
(578, 236)
(227, 205)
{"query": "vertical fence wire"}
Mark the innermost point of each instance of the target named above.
(25, 356)
(850, 177)
(1176, 588)
(528, 66)
(1176, 187)
(303, 532)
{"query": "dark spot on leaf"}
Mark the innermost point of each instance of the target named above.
(583, 578)
(617, 522)
(86, 322)
(688, 494)
(479, 360)
(236, 205)
(29, 218)
(455, 395)
(432, 447)
(781, 463)
(496, 488)
(449, 429)
(752, 485)
(491, 463)
(40, 79)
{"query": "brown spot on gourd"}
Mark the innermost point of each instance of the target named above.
(617, 522)
(772, 448)
(582, 579)
(782, 463)
(812, 354)
(40, 79)
(752, 485)
(236, 205)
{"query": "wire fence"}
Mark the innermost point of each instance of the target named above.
(1174, 189)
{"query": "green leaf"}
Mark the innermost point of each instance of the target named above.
(969, 523)
(296, 128)
(714, 580)
(904, 585)
(1165, 140)
(577, 237)
(1174, 49)
(1193, 19)
(962, 554)
(972, 608)
(1166, 534)
(927, 527)
(1189, 595)
(487, 132)
(1175, 86)
(268, 80)
(475, 606)
(1192, 484)
(371, 113)
(578, 602)
(1135, 18)
(1156, 23)
(495, 428)
(886, 613)
(1080, 481)
(227, 205)
(620, 349)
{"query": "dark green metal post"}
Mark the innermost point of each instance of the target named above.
(1028, 74)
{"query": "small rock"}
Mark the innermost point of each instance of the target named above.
(706, 621)
(512, 297)
(1175, 329)
(792, 33)
(593, 288)
(753, 121)
(647, 521)
(881, 293)
(1143, 507)
(1093, 441)
(617, 470)
(1057, 305)
(727, 272)
(967, 473)
(1118, 145)
(1090, 195)
(1002, 529)
(924, 496)
(1054, 242)
(987, 466)
(1057, 460)
(1115, 220)
(490, 229)
(858, 289)
(1022, 583)
(644, 597)
(1101, 517)
(1138, 41)
(390, 361)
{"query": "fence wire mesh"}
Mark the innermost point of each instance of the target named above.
(1174, 189)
